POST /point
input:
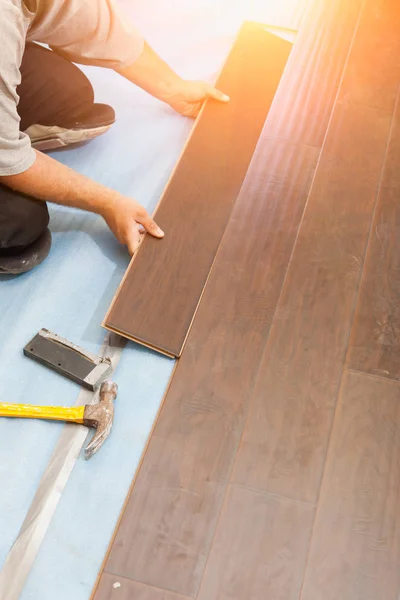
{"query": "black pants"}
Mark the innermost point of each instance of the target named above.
(53, 91)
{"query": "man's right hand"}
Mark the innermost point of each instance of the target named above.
(128, 220)
(49, 180)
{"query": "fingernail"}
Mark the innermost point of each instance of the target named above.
(225, 98)
(159, 231)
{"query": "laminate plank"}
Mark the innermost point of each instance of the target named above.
(375, 339)
(284, 444)
(166, 530)
(355, 549)
(130, 590)
(392, 171)
(158, 298)
(260, 548)
(373, 74)
(314, 71)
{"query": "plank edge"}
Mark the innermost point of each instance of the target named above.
(132, 485)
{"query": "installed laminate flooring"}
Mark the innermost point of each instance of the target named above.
(355, 550)
(284, 443)
(273, 471)
(159, 295)
(118, 588)
(169, 521)
(374, 345)
(271, 535)
(314, 71)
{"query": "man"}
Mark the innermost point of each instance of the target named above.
(46, 101)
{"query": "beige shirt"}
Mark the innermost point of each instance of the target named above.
(91, 32)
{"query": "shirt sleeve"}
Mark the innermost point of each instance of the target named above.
(94, 32)
(16, 153)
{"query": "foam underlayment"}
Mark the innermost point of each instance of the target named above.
(70, 294)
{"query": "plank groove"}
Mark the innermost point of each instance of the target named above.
(130, 590)
(314, 71)
(373, 74)
(285, 440)
(260, 548)
(375, 340)
(158, 298)
(355, 551)
(286, 436)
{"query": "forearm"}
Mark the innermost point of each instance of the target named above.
(50, 180)
(152, 74)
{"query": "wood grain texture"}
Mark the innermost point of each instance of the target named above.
(392, 171)
(355, 550)
(260, 548)
(169, 522)
(284, 444)
(166, 532)
(375, 340)
(130, 590)
(314, 71)
(159, 296)
(373, 74)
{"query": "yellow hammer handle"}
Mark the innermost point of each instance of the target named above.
(73, 414)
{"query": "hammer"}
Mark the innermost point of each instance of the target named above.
(99, 415)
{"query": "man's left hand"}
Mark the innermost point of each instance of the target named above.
(187, 97)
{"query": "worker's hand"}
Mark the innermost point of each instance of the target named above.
(128, 221)
(187, 97)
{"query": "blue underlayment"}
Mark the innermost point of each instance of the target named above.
(70, 294)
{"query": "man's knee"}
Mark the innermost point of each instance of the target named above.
(22, 219)
(53, 90)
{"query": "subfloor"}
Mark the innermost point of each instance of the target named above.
(273, 471)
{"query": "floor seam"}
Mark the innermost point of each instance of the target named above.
(262, 492)
(344, 369)
(372, 375)
(148, 585)
(301, 586)
(264, 349)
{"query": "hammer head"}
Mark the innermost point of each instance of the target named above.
(100, 416)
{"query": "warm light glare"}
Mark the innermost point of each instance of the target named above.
(279, 13)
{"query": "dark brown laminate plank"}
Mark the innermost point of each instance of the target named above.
(284, 443)
(355, 550)
(392, 171)
(159, 296)
(286, 436)
(373, 74)
(130, 590)
(260, 548)
(375, 340)
(314, 71)
(169, 521)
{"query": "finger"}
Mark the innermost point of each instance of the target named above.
(150, 225)
(193, 110)
(133, 239)
(212, 92)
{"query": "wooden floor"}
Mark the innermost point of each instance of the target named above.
(274, 468)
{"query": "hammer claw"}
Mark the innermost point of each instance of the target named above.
(101, 417)
(97, 441)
